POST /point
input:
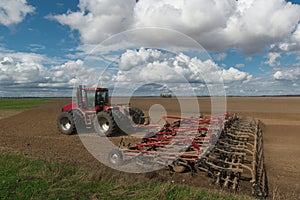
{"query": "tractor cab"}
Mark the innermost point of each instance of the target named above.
(92, 98)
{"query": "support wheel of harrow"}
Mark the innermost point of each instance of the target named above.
(178, 168)
(104, 124)
(115, 157)
(65, 123)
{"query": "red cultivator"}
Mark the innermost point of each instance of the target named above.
(228, 148)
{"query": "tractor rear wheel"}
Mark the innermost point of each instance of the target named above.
(105, 124)
(65, 123)
(137, 115)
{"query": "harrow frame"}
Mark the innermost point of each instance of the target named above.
(226, 147)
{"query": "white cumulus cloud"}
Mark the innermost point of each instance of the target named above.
(290, 45)
(292, 74)
(233, 74)
(218, 25)
(272, 59)
(69, 73)
(152, 65)
(30, 72)
(96, 20)
(13, 71)
(14, 11)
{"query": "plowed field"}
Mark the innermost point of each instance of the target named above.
(34, 133)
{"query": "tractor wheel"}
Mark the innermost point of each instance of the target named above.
(122, 121)
(105, 124)
(65, 123)
(137, 115)
(115, 157)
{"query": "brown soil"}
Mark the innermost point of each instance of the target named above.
(8, 113)
(33, 132)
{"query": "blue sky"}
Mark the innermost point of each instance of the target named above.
(36, 33)
(45, 46)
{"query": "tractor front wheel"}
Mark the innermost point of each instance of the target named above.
(65, 123)
(105, 124)
(79, 121)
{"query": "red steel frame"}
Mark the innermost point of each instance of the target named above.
(183, 132)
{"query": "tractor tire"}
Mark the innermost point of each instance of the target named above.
(66, 124)
(104, 124)
(79, 121)
(137, 115)
(121, 120)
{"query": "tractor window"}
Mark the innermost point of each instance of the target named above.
(101, 97)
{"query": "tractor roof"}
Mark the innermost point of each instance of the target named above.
(96, 89)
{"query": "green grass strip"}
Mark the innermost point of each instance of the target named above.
(28, 178)
(21, 103)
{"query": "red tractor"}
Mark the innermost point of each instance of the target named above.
(92, 110)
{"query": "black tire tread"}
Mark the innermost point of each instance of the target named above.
(68, 115)
(137, 115)
(113, 125)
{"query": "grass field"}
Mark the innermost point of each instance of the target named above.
(21, 103)
(29, 178)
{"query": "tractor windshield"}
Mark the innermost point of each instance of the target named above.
(101, 97)
(96, 98)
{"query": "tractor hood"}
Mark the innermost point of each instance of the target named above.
(69, 107)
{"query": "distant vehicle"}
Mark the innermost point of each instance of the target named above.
(166, 93)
